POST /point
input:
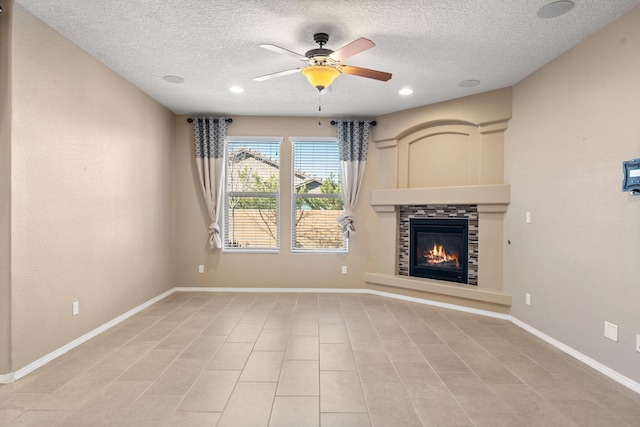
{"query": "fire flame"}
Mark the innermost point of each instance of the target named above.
(437, 255)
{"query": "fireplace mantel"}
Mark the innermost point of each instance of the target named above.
(493, 198)
(492, 202)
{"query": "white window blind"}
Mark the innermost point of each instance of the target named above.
(252, 215)
(316, 197)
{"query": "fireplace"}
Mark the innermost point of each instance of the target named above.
(439, 248)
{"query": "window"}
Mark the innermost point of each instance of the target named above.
(316, 196)
(252, 215)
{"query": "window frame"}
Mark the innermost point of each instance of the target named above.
(292, 245)
(227, 194)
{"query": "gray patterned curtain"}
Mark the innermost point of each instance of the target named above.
(209, 135)
(353, 137)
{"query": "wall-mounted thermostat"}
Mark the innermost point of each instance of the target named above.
(631, 181)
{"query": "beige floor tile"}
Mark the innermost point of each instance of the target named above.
(401, 349)
(263, 366)
(178, 378)
(307, 327)
(442, 359)
(586, 412)
(272, 340)
(302, 348)
(148, 410)
(178, 339)
(150, 366)
(231, 356)
(341, 391)
(389, 405)
(14, 404)
(299, 378)
(255, 316)
(488, 369)
(125, 356)
(40, 418)
(210, 392)
(344, 420)
(158, 331)
(192, 419)
(365, 340)
(408, 360)
(337, 357)
(245, 333)
(474, 396)
(78, 391)
(442, 411)
(420, 381)
(375, 367)
(221, 326)
(204, 347)
(498, 420)
(113, 400)
(295, 412)
(333, 334)
(249, 405)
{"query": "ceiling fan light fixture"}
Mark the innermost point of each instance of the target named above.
(320, 76)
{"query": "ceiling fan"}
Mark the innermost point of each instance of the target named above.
(325, 64)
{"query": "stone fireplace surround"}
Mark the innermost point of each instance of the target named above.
(469, 212)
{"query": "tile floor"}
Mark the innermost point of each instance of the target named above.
(287, 359)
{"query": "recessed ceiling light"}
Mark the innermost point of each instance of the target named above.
(555, 9)
(405, 91)
(469, 83)
(236, 89)
(173, 79)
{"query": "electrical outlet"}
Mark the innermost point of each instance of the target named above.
(638, 343)
(201, 269)
(344, 269)
(611, 331)
(75, 308)
(527, 218)
(527, 298)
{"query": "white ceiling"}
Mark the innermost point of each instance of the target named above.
(428, 45)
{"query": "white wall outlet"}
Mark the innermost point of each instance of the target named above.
(611, 331)
(527, 298)
(75, 308)
(201, 268)
(638, 343)
(344, 269)
(527, 218)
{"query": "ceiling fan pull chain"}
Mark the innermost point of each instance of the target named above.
(319, 107)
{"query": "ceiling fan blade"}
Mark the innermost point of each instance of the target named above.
(282, 50)
(351, 49)
(278, 74)
(365, 72)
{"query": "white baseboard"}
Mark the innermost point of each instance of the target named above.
(614, 375)
(14, 376)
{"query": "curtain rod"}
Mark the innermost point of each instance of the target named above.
(190, 120)
(372, 123)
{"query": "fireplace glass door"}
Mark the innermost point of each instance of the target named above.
(438, 249)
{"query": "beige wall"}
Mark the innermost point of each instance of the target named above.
(91, 190)
(282, 270)
(574, 122)
(5, 188)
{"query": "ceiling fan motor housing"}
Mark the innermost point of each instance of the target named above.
(321, 39)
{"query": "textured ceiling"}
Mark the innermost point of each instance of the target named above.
(428, 45)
